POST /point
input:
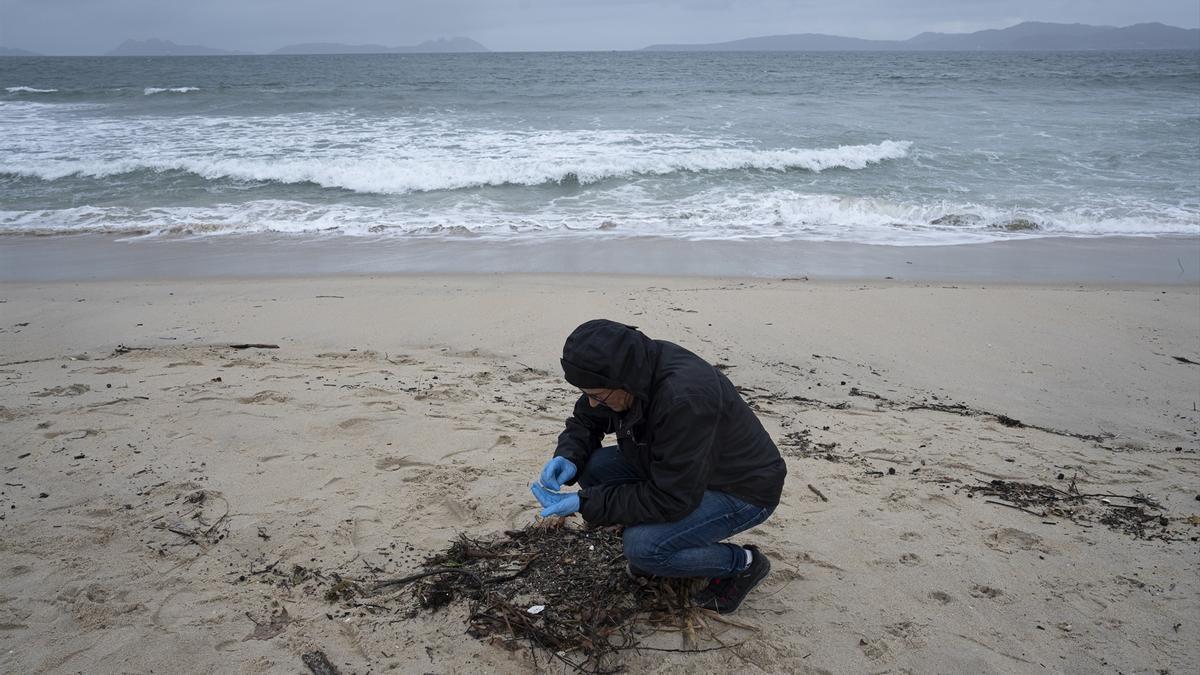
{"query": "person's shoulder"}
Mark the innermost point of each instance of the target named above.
(685, 379)
(674, 359)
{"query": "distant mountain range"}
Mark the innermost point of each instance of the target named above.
(165, 48)
(16, 52)
(1028, 36)
(168, 48)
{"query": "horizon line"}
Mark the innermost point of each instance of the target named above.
(240, 52)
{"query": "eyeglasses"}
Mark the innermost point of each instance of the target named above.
(597, 399)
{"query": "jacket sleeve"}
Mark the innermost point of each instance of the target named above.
(584, 433)
(681, 462)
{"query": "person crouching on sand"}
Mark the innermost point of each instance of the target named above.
(692, 465)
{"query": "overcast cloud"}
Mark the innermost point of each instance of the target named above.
(96, 26)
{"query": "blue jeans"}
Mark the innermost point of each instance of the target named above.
(690, 546)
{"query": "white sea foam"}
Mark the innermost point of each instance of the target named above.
(427, 169)
(172, 90)
(451, 175)
(710, 216)
(392, 155)
(28, 90)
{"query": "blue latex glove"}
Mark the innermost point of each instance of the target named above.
(555, 503)
(556, 472)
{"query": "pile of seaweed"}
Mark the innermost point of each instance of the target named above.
(562, 592)
(1138, 515)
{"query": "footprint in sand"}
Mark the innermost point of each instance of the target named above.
(941, 598)
(17, 571)
(80, 434)
(366, 521)
(910, 634)
(384, 406)
(982, 591)
(529, 374)
(70, 390)
(808, 559)
(267, 396)
(396, 463)
(108, 370)
(450, 393)
(874, 649)
(502, 440)
(1011, 540)
(462, 511)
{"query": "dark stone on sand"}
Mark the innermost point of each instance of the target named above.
(1018, 225)
(955, 219)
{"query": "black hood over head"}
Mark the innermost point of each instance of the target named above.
(610, 355)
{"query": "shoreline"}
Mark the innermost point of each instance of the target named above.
(1173, 260)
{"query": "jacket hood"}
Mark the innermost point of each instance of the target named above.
(610, 355)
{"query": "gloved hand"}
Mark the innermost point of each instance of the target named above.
(556, 472)
(555, 503)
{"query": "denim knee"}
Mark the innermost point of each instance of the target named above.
(642, 549)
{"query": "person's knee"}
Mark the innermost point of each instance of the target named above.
(598, 467)
(643, 549)
(587, 478)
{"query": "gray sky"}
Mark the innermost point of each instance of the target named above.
(95, 26)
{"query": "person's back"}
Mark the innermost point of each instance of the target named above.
(746, 462)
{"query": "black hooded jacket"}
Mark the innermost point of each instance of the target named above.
(688, 430)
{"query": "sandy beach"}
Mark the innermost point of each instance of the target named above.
(398, 411)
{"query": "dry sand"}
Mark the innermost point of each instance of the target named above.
(399, 411)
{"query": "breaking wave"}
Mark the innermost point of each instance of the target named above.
(432, 172)
(28, 90)
(169, 90)
(714, 215)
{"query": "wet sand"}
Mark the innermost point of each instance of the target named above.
(1142, 260)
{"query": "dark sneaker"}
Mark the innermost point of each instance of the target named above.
(725, 595)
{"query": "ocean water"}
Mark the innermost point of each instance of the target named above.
(877, 148)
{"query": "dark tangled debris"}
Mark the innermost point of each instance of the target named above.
(561, 592)
(318, 663)
(1141, 517)
(800, 444)
(197, 525)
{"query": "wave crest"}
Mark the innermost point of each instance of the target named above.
(170, 90)
(714, 215)
(431, 173)
(28, 90)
